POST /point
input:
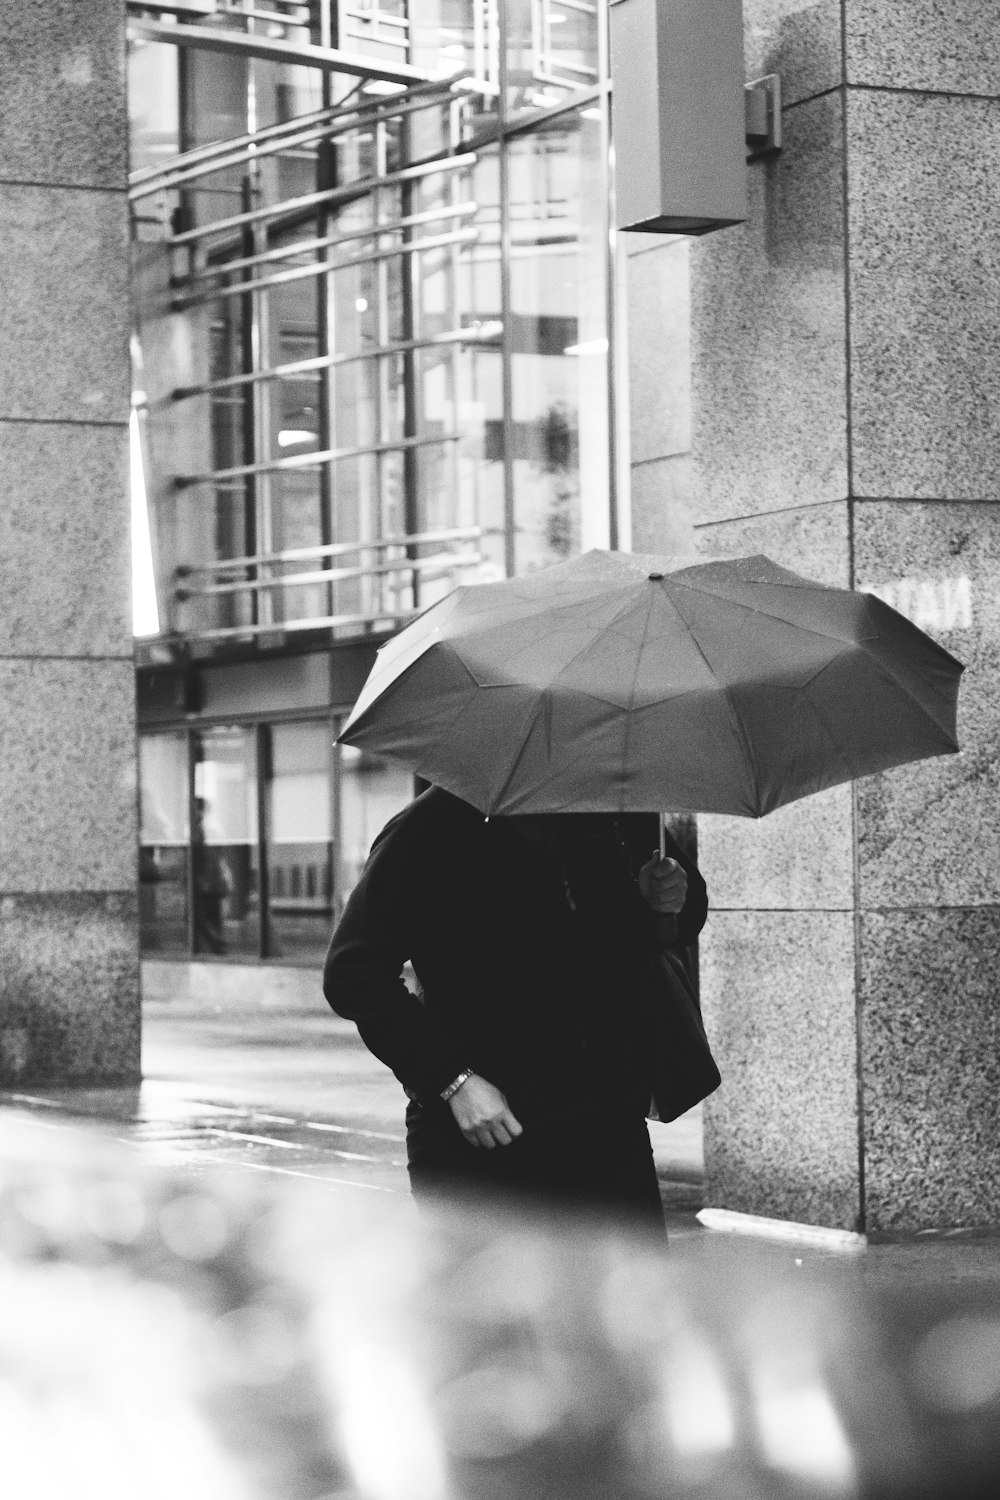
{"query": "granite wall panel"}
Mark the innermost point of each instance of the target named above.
(929, 834)
(662, 507)
(802, 856)
(62, 69)
(659, 296)
(924, 213)
(799, 858)
(781, 1134)
(64, 315)
(800, 39)
(69, 978)
(809, 539)
(67, 794)
(69, 975)
(930, 1059)
(768, 334)
(65, 554)
(852, 955)
(949, 46)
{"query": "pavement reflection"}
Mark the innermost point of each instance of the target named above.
(258, 1337)
(217, 1285)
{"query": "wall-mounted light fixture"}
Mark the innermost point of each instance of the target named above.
(678, 114)
(683, 117)
(763, 116)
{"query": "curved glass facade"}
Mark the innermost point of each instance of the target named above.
(372, 319)
(373, 361)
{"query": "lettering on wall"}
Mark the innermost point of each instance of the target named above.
(935, 604)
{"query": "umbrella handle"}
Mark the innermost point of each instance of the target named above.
(663, 836)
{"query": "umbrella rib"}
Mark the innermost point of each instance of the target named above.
(898, 681)
(518, 753)
(886, 671)
(545, 781)
(595, 630)
(542, 636)
(756, 609)
(483, 619)
(650, 600)
(737, 722)
(544, 697)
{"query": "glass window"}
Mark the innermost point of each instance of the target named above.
(371, 792)
(224, 843)
(552, 51)
(559, 344)
(450, 36)
(300, 842)
(467, 395)
(153, 100)
(163, 855)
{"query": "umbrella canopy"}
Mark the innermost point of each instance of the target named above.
(619, 682)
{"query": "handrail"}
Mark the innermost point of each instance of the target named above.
(197, 154)
(424, 569)
(268, 49)
(338, 549)
(315, 622)
(343, 194)
(484, 332)
(330, 241)
(443, 562)
(312, 460)
(323, 267)
(216, 156)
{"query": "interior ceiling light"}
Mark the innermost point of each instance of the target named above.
(289, 436)
(382, 86)
(589, 346)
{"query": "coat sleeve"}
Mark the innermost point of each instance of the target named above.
(639, 833)
(361, 977)
(694, 913)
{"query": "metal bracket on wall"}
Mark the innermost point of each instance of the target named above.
(763, 116)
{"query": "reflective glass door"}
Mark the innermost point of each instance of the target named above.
(299, 833)
(163, 852)
(224, 856)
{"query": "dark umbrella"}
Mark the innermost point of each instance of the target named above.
(617, 682)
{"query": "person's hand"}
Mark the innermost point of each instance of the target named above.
(663, 885)
(484, 1117)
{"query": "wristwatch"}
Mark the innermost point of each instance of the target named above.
(456, 1083)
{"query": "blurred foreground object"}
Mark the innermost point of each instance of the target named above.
(167, 1337)
(626, 683)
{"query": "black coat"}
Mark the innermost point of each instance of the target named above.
(528, 959)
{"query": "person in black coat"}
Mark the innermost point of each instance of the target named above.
(524, 1056)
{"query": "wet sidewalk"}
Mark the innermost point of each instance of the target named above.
(276, 1083)
(217, 1286)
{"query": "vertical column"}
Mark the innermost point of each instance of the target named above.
(844, 421)
(69, 985)
(770, 474)
(923, 201)
(739, 444)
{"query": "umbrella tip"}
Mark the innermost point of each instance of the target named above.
(656, 577)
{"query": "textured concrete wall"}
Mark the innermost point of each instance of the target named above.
(844, 419)
(69, 985)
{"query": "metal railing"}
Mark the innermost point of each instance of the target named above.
(387, 589)
(385, 452)
(371, 25)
